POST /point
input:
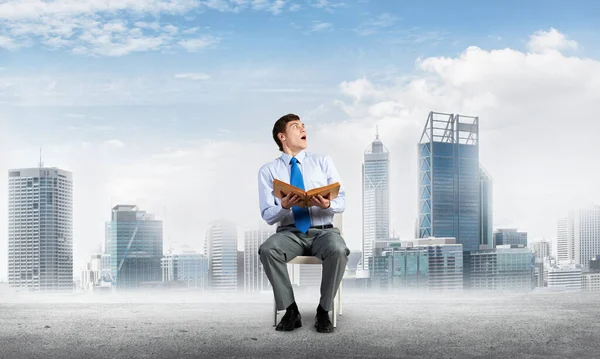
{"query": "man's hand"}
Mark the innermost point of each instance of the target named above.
(291, 199)
(320, 201)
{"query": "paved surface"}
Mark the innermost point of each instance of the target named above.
(534, 325)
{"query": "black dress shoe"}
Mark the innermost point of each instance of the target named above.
(322, 323)
(290, 321)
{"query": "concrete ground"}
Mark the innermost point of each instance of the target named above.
(202, 325)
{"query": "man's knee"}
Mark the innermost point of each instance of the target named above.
(339, 249)
(268, 250)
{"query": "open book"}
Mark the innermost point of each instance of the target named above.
(281, 189)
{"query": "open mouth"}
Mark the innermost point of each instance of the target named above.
(303, 138)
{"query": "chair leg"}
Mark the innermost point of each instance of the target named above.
(334, 313)
(274, 313)
(340, 298)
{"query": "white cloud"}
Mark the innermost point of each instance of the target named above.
(189, 31)
(274, 7)
(193, 45)
(148, 25)
(8, 43)
(360, 89)
(193, 76)
(320, 26)
(326, 4)
(171, 29)
(372, 26)
(91, 27)
(114, 144)
(103, 28)
(550, 40)
(35, 9)
(115, 26)
(535, 113)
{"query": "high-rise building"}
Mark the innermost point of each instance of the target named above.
(220, 246)
(541, 249)
(487, 220)
(135, 241)
(510, 236)
(187, 267)
(579, 236)
(503, 268)
(449, 180)
(240, 271)
(255, 279)
(562, 241)
(40, 229)
(376, 201)
(586, 234)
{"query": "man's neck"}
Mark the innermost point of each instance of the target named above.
(291, 152)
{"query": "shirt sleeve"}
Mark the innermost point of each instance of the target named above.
(270, 209)
(337, 205)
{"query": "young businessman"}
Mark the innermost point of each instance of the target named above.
(301, 231)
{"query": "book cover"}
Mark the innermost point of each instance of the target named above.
(281, 189)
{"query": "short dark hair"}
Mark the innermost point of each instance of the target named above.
(280, 126)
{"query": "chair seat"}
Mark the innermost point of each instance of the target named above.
(305, 260)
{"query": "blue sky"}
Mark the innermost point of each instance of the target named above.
(154, 102)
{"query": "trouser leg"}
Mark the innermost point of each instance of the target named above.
(331, 248)
(274, 254)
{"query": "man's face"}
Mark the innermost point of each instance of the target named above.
(295, 135)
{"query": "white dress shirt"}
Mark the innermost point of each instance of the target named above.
(317, 171)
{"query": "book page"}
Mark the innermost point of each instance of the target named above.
(331, 190)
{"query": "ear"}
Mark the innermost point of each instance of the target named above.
(281, 137)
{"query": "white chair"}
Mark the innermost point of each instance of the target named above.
(338, 296)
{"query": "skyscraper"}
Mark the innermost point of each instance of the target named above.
(220, 246)
(579, 236)
(563, 252)
(487, 220)
(376, 201)
(255, 279)
(449, 180)
(135, 241)
(40, 229)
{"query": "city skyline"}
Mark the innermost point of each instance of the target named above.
(166, 128)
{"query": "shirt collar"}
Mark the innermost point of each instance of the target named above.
(287, 158)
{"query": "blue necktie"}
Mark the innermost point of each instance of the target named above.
(301, 215)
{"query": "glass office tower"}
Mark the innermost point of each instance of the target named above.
(135, 241)
(449, 180)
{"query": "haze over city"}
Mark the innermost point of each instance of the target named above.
(170, 105)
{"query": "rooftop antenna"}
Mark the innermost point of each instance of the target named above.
(41, 163)
(377, 131)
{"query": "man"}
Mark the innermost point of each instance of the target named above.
(301, 231)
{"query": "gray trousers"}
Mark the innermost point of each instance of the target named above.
(325, 244)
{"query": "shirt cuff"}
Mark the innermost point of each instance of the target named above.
(333, 207)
